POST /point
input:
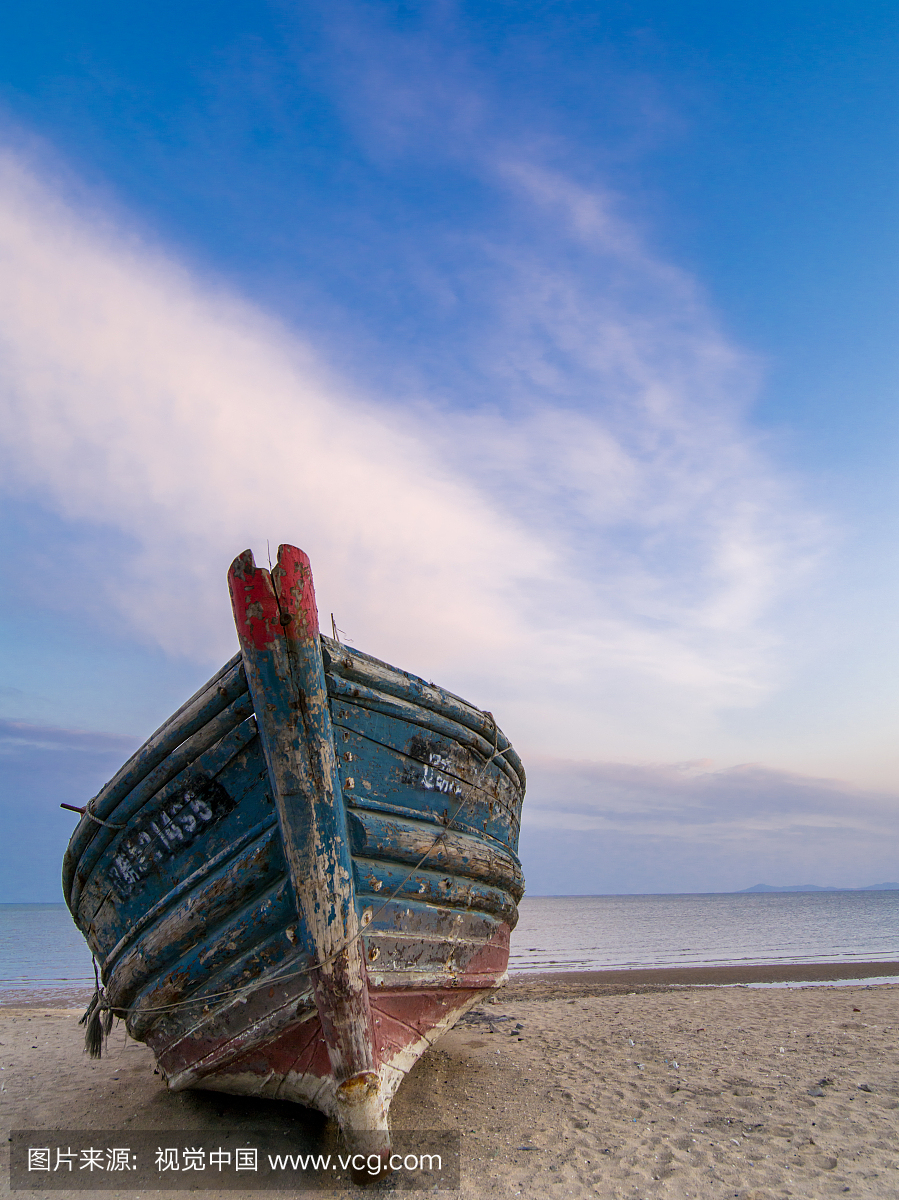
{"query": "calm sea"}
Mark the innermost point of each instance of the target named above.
(582, 933)
(41, 948)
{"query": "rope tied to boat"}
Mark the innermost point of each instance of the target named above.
(98, 1018)
(89, 812)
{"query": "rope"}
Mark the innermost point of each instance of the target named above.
(98, 1018)
(88, 812)
(100, 998)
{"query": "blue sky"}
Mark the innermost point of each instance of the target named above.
(561, 336)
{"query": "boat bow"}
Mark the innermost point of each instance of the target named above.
(277, 624)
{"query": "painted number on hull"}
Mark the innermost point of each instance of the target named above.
(433, 779)
(172, 828)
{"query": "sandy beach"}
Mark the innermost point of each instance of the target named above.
(600, 1084)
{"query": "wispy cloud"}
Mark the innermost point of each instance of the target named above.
(22, 739)
(688, 827)
(594, 553)
(694, 800)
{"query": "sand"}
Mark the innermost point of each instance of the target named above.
(593, 1086)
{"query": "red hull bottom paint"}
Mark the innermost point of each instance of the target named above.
(289, 1060)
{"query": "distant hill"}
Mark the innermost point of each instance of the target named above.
(814, 887)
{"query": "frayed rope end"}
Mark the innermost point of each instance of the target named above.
(98, 1019)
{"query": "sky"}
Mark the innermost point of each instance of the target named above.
(562, 336)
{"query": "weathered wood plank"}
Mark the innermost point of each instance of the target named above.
(152, 853)
(411, 942)
(192, 922)
(382, 836)
(405, 710)
(270, 959)
(408, 918)
(442, 756)
(258, 1019)
(441, 888)
(277, 624)
(178, 760)
(350, 664)
(173, 895)
(428, 787)
(415, 944)
(258, 938)
(117, 923)
(221, 691)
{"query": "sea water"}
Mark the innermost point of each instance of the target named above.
(585, 933)
(40, 947)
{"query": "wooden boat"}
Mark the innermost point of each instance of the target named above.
(307, 874)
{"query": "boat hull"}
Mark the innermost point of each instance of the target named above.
(308, 874)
